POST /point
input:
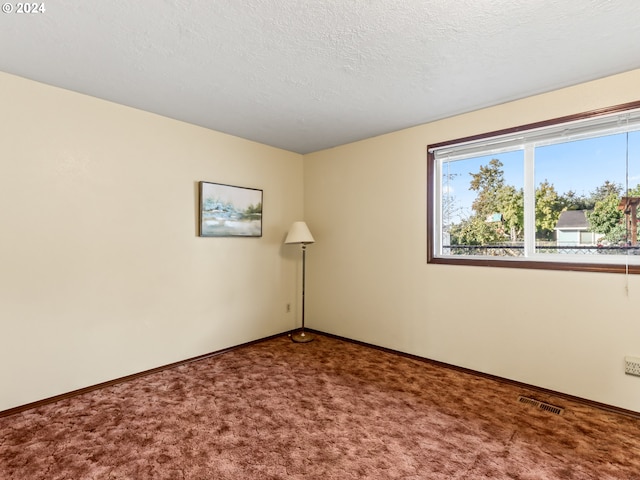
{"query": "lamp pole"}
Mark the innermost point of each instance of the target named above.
(299, 233)
(302, 336)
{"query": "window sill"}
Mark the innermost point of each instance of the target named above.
(537, 265)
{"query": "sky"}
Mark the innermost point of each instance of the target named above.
(581, 166)
(240, 197)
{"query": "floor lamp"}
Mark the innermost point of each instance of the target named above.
(299, 233)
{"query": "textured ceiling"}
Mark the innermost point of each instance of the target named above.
(307, 75)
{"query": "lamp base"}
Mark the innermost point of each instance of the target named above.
(302, 337)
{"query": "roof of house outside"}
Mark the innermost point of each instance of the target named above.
(573, 220)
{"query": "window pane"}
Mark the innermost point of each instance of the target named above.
(482, 205)
(578, 189)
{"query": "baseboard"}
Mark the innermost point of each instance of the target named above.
(584, 401)
(80, 391)
(544, 391)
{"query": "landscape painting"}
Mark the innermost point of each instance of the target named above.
(229, 211)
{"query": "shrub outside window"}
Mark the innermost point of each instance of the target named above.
(560, 194)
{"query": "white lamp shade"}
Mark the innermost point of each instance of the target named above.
(299, 233)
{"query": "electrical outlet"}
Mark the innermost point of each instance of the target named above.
(632, 366)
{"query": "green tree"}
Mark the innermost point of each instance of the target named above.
(634, 192)
(572, 201)
(604, 191)
(510, 203)
(606, 218)
(493, 197)
(475, 231)
(487, 182)
(549, 205)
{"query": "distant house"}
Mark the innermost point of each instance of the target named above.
(573, 229)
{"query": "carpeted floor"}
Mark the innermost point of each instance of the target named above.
(323, 410)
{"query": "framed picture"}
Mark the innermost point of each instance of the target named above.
(229, 211)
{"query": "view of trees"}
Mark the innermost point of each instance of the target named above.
(497, 213)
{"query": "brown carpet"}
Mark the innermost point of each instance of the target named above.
(324, 410)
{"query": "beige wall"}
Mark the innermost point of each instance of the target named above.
(368, 278)
(102, 273)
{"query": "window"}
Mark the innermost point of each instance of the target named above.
(561, 194)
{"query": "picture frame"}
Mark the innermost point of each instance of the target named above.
(229, 211)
